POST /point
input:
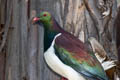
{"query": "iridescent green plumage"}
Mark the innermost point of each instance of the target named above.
(74, 53)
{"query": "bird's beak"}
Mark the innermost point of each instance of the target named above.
(35, 20)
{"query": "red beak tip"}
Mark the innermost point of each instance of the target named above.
(36, 19)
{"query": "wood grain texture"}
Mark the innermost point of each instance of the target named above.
(17, 40)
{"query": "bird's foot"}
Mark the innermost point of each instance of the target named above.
(63, 78)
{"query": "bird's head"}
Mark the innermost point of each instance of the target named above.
(43, 17)
(47, 20)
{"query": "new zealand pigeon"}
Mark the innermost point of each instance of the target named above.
(66, 54)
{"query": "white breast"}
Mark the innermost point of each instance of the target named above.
(58, 66)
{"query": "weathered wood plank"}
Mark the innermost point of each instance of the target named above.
(16, 50)
(32, 53)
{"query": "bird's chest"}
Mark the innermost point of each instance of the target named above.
(53, 61)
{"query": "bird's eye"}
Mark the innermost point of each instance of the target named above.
(45, 15)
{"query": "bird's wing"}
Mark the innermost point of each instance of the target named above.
(72, 52)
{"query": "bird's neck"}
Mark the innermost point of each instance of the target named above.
(48, 38)
(52, 26)
(50, 31)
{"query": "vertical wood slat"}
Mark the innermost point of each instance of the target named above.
(17, 41)
(13, 48)
(32, 53)
(23, 31)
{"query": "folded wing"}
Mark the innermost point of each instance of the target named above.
(73, 52)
